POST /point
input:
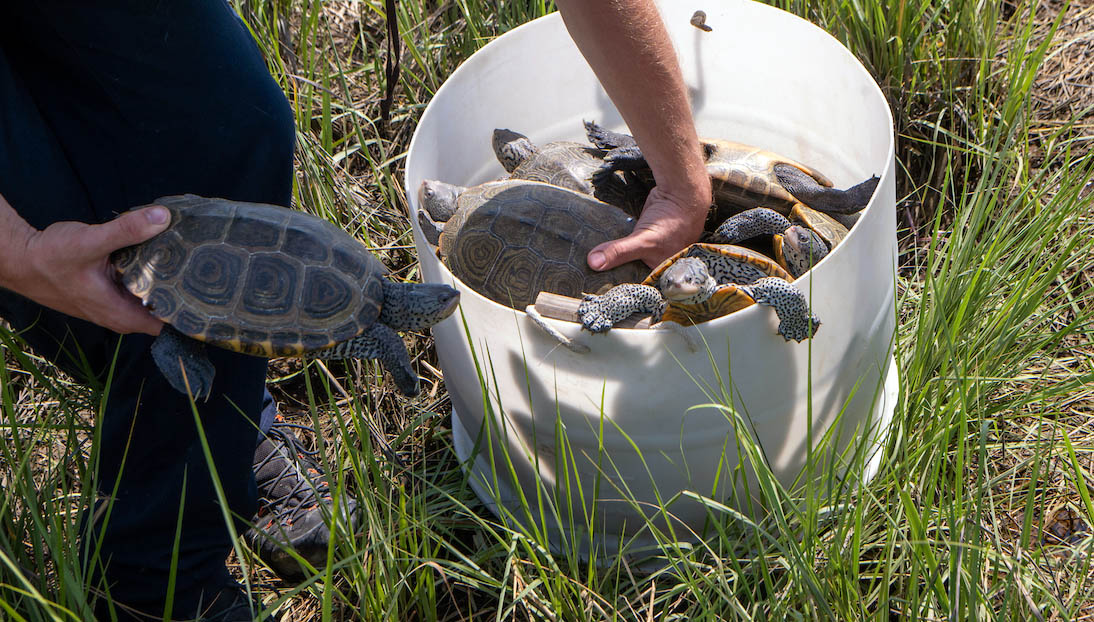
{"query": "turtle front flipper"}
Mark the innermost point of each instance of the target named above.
(431, 229)
(383, 344)
(176, 354)
(795, 320)
(600, 313)
(823, 199)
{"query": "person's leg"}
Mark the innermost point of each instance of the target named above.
(113, 106)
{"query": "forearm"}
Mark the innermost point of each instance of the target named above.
(15, 233)
(628, 48)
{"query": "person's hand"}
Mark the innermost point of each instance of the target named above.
(66, 267)
(667, 225)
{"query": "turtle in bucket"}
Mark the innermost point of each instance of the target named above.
(744, 176)
(570, 165)
(271, 281)
(509, 240)
(798, 245)
(700, 283)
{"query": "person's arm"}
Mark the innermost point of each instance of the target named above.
(66, 266)
(626, 44)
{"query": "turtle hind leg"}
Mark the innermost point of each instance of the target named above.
(382, 343)
(606, 139)
(795, 320)
(823, 199)
(183, 360)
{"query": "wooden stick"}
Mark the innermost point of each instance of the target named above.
(564, 308)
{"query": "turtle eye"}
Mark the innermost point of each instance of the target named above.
(427, 192)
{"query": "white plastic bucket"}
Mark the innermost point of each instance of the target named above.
(761, 76)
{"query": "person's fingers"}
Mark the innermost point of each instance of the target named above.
(614, 253)
(132, 227)
(132, 317)
(126, 315)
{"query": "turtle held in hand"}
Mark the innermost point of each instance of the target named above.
(799, 245)
(270, 281)
(511, 239)
(700, 283)
(569, 165)
(744, 176)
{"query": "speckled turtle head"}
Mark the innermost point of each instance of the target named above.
(803, 244)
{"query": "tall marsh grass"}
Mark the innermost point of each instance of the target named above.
(992, 440)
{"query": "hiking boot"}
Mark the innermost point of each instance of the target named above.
(295, 505)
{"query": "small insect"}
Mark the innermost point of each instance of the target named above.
(699, 20)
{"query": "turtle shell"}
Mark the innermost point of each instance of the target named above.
(730, 266)
(566, 164)
(510, 240)
(572, 165)
(743, 176)
(258, 279)
(829, 229)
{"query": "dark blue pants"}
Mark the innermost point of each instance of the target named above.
(108, 105)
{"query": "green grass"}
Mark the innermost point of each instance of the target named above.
(992, 437)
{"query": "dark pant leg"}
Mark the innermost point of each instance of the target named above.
(103, 107)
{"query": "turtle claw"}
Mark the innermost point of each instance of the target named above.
(606, 139)
(592, 315)
(619, 159)
(183, 362)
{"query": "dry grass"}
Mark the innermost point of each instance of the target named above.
(1025, 463)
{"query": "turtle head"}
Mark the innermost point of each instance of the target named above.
(439, 199)
(417, 306)
(511, 148)
(687, 281)
(798, 249)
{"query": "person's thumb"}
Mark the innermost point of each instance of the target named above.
(608, 255)
(132, 227)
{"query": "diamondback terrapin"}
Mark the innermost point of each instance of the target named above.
(569, 165)
(510, 240)
(700, 283)
(798, 245)
(270, 281)
(744, 176)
